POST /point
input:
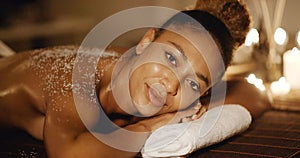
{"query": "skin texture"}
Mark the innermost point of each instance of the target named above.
(167, 67)
(45, 105)
(36, 93)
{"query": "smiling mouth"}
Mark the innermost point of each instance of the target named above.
(157, 94)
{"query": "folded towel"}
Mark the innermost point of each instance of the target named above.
(216, 125)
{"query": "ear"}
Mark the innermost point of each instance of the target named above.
(145, 41)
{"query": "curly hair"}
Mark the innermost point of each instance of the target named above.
(228, 21)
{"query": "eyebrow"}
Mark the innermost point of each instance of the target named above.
(202, 77)
(178, 47)
(199, 75)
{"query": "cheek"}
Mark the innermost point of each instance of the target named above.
(136, 86)
(137, 82)
(175, 101)
(184, 97)
(180, 101)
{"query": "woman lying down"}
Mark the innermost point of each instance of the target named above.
(110, 111)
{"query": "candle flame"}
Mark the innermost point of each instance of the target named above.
(280, 36)
(258, 83)
(251, 78)
(295, 51)
(252, 37)
(280, 87)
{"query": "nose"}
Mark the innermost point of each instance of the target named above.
(171, 83)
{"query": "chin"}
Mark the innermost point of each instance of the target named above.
(148, 110)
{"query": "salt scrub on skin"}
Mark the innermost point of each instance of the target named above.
(28, 154)
(57, 64)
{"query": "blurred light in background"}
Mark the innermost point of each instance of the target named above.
(280, 87)
(280, 36)
(291, 66)
(298, 38)
(257, 82)
(252, 37)
(281, 40)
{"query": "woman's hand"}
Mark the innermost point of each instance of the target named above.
(197, 110)
(155, 122)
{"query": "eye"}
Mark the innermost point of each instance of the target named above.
(171, 58)
(194, 85)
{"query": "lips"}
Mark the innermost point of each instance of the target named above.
(157, 94)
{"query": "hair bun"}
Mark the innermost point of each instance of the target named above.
(232, 13)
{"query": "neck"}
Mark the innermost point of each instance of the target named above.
(103, 87)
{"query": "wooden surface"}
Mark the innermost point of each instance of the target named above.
(275, 134)
(290, 101)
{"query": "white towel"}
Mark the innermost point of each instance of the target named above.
(216, 125)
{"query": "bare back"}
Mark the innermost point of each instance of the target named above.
(37, 80)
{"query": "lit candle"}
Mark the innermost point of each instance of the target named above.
(251, 78)
(298, 38)
(252, 37)
(280, 87)
(281, 39)
(258, 83)
(244, 52)
(291, 66)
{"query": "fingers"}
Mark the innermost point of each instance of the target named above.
(190, 114)
(198, 106)
(193, 110)
(199, 113)
(186, 115)
(194, 113)
(186, 119)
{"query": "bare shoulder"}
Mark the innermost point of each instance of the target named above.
(239, 91)
(244, 93)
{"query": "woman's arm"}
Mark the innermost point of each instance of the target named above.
(66, 136)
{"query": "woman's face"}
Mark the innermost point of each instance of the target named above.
(170, 74)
